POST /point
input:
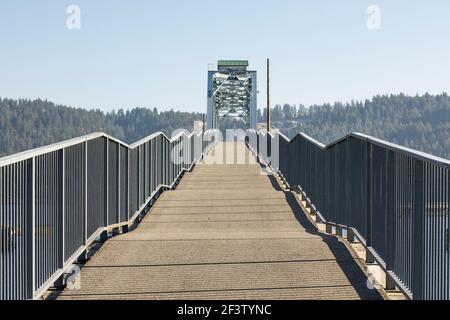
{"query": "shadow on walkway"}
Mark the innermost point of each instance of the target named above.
(345, 260)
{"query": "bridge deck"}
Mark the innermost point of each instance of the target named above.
(226, 232)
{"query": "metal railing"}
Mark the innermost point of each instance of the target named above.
(393, 199)
(55, 201)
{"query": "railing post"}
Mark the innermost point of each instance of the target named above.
(138, 182)
(153, 165)
(61, 200)
(128, 183)
(257, 147)
(172, 165)
(390, 220)
(156, 162)
(161, 159)
(104, 234)
(192, 146)
(418, 227)
(168, 162)
(446, 234)
(85, 193)
(31, 228)
(145, 173)
(126, 187)
(177, 159)
(348, 179)
(118, 184)
(106, 222)
(369, 256)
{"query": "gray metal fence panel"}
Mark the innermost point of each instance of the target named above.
(15, 180)
(123, 184)
(397, 199)
(48, 215)
(74, 199)
(113, 182)
(56, 200)
(134, 182)
(96, 187)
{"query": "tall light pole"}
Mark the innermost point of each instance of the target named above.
(268, 95)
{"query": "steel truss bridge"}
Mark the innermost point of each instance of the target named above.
(232, 93)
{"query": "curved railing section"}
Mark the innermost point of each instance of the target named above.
(56, 200)
(394, 200)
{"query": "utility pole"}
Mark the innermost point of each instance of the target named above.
(203, 123)
(268, 95)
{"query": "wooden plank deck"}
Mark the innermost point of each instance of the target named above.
(226, 232)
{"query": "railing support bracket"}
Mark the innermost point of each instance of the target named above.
(350, 235)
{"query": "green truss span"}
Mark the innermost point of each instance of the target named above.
(232, 93)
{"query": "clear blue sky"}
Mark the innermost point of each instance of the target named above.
(156, 53)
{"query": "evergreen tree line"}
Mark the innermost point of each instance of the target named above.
(418, 122)
(28, 124)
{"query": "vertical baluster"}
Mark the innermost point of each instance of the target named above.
(418, 216)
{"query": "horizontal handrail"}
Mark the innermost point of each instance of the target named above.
(395, 200)
(383, 143)
(28, 154)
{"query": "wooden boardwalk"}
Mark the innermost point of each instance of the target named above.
(226, 232)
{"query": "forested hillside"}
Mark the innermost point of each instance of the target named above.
(26, 124)
(419, 122)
